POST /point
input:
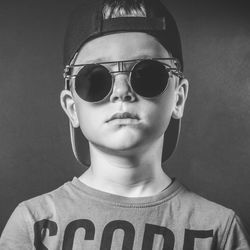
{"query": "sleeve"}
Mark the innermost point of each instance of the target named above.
(237, 238)
(17, 234)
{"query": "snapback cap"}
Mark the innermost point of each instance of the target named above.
(86, 23)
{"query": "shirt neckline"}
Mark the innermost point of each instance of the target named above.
(116, 200)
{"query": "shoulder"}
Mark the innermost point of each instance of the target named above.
(43, 204)
(202, 207)
(199, 213)
(19, 230)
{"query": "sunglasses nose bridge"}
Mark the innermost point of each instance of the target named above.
(121, 87)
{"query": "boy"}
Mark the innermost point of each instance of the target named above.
(124, 95)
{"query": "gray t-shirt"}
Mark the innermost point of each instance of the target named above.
(76, 216)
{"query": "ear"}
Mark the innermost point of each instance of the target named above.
(181, 94)
(68, 105)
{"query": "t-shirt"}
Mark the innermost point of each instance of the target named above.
(76, 216)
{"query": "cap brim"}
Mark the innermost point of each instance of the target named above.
(171, 138)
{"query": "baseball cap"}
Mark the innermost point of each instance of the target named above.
(86, 22)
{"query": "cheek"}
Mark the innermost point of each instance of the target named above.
(89, 117)
(160, 110)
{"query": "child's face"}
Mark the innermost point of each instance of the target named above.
(152, 115)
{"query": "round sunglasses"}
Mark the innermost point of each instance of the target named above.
(147, 78)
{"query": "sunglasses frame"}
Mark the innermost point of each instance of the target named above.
(175, 71)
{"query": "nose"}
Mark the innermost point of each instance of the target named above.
(121, 89)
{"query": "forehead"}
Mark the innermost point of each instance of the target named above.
(121, 46)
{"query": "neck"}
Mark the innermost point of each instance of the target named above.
(137, 174)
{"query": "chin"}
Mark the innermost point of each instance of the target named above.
(121, 141)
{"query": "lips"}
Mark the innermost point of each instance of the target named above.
(125, 115)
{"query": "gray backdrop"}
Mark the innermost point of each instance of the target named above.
(214, 150)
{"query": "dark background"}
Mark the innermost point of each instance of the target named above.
(213, 156)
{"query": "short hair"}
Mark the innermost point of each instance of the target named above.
(123, 8)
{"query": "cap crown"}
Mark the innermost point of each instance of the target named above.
(87, 23)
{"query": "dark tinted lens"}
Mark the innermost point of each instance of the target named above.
(149, 78)
(93, 83)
